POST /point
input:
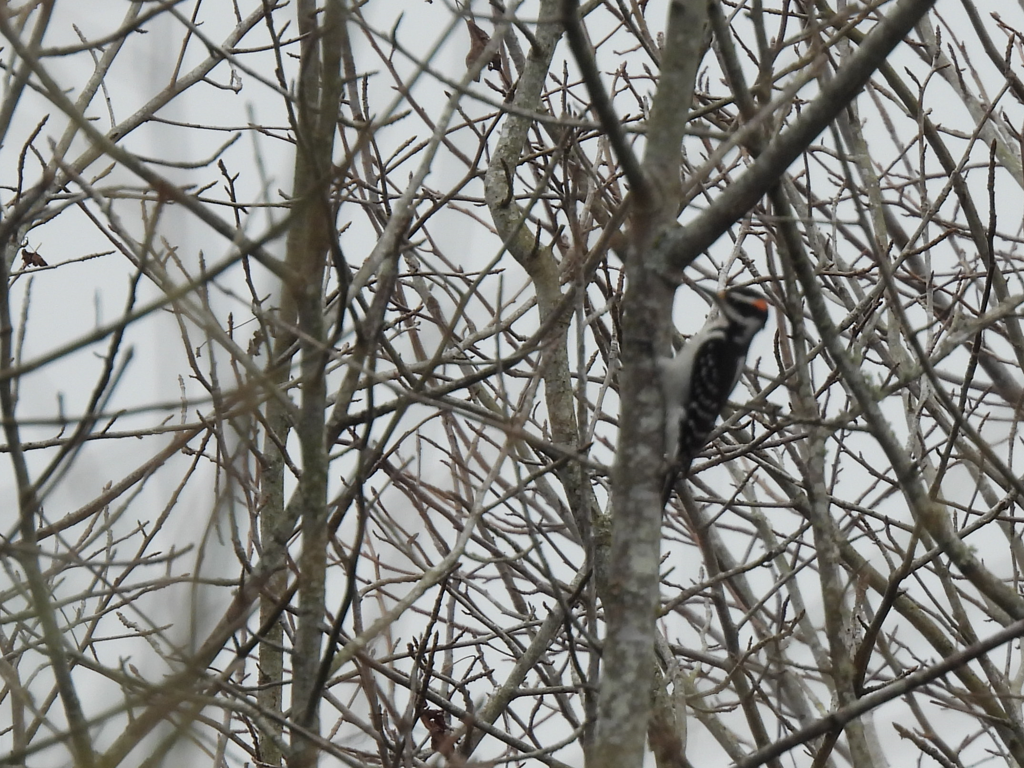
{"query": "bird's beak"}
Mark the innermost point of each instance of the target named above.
(715, 296)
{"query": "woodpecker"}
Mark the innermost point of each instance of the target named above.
(697, 381)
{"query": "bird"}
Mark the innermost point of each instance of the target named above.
(697, 381)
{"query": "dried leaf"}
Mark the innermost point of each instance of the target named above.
(478, 40)
(32, 259)
(436, 723)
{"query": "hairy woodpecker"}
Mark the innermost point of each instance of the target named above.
(696, 382)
